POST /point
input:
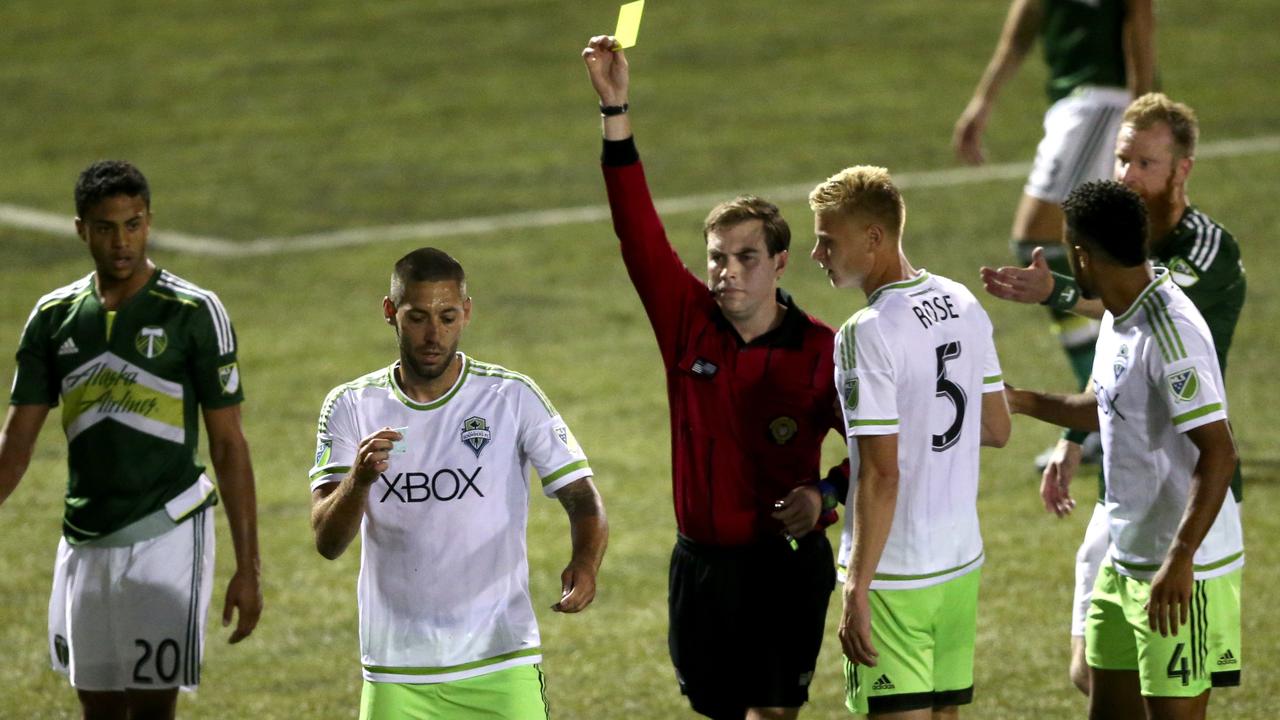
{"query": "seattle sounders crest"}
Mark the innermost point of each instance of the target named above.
(476, 434)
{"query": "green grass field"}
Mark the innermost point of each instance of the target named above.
(277, 119)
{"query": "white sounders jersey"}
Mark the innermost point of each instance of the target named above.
(1156, 375)
(444, 576)
(916, 362)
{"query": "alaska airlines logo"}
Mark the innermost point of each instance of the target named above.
(476, 434)
(444, 485)
(100, 381)
(151, 341)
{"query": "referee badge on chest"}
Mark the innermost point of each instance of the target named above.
(476, 434)
(782, 429)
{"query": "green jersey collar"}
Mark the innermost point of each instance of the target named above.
(400, 394)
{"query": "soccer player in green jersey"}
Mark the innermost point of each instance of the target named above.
(1155, 154)
(1100, 55)
(135, 355)
(1163, 624)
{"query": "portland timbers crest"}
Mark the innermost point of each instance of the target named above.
(1184, 385)
(476, 434)
(150, 341)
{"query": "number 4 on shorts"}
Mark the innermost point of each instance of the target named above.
(1178, 665)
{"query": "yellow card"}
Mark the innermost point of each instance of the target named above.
(628, 24)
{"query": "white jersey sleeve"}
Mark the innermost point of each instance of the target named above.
(337, 439)
(1183, 368)
(992, 378)
(547, 442)
(865, 377)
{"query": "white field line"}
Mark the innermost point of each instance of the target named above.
(29, 219)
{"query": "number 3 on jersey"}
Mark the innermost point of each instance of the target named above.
(951, 391)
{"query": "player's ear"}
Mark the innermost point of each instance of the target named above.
(875, 236)
(81, 229)
(1183, 169)
(389, 311)
(780, 262)
(466, 310)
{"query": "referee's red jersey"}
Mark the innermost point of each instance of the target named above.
(747, 419)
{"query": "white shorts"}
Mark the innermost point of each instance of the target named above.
(1079, 142)
(132, 617)
(1093, 550)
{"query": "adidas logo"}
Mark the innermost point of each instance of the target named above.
(68, 348)
(1227, 658)
(883, 683)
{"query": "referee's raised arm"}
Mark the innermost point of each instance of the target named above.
(611, 78)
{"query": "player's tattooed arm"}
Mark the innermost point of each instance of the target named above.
(589, 533)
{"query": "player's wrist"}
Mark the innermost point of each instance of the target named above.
(613, 108)
(1063, 293)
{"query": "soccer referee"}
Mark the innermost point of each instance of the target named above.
(749, 383)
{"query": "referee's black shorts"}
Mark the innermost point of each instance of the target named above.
(746, 622)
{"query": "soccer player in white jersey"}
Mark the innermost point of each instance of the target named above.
(1164, 620)
(920, 386)
(428, 460)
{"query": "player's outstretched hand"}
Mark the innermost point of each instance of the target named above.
(577, 589)
(855, 628)
(607, 69)
(244, 595)
(1031, 284)
(799, 510)
(1055, 484)
(966, 139)
(372, 456)
(1170, 602)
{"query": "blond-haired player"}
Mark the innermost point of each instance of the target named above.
(919, 384)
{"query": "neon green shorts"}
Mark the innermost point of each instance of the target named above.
(1204, 653)
(925, 638)
(517, 693)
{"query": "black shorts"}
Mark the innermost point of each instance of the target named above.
(746, 622)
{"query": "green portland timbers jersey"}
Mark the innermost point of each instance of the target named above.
(1204, 260)
(130, 383)
(1083, 44)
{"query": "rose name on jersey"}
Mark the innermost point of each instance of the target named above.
(934, 309)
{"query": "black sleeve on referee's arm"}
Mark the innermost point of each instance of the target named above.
(620, 152)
